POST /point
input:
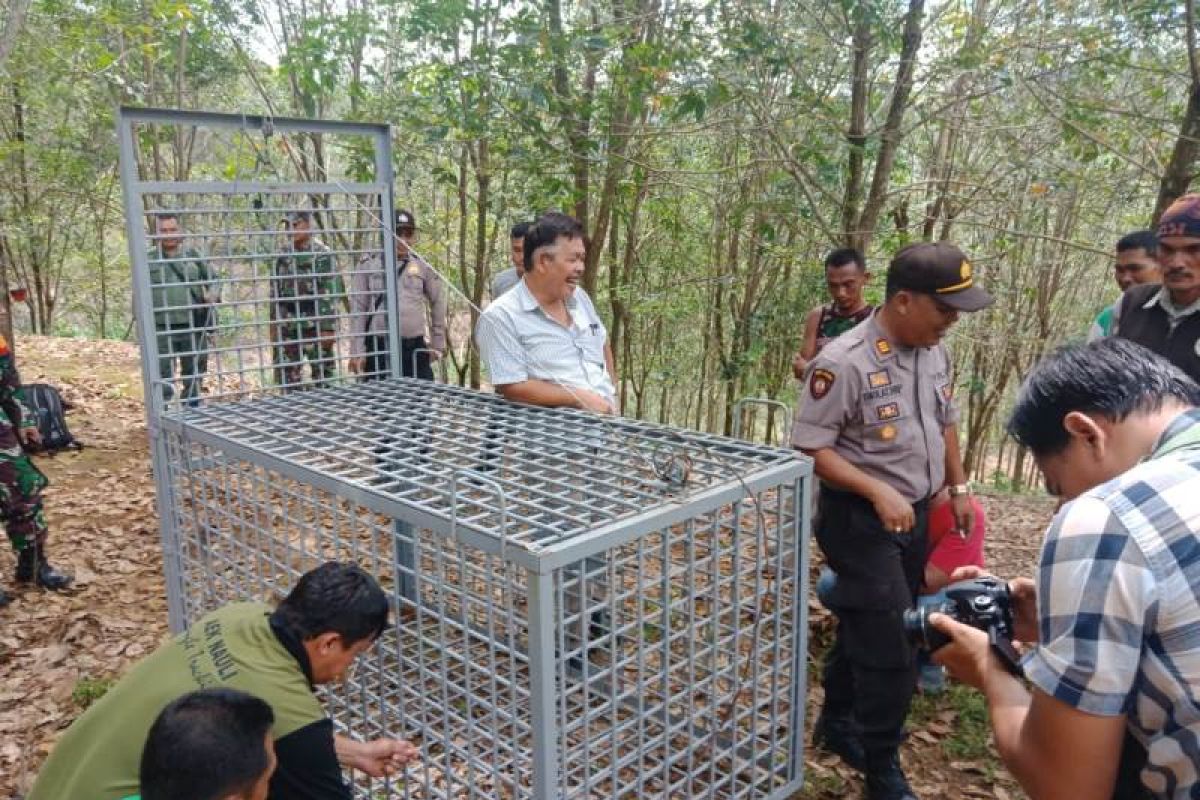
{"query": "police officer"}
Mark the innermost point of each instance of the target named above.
(880, 425)
(420, 287)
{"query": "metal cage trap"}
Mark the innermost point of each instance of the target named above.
(586, 607)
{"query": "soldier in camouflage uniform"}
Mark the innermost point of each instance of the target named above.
(182, 293)
(21, 484)
(304, 287)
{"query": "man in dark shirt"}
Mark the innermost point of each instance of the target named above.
(845, 276)
(1163, 318)
(333, 615)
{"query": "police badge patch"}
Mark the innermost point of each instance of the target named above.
(889, 411)
(883, 347)
(877, 379)
(820, 382)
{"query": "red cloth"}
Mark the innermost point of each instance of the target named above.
(947, 550)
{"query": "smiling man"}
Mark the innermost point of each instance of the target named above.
(1113, 617)
(332, 616)
(879, 422)
(542, 341)
(1163, 318)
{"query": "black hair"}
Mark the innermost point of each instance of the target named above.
(165, 215)
(548, 229)
(1111, 377)
(1139, 240)
(206, 745)
(338, 598)
(519, 230)
(843, 256)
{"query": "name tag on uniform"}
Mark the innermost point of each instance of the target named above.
(889, 411)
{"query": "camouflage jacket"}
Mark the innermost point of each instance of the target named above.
(305, 286)
(12, 396)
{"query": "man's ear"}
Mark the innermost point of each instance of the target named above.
(325, 642)
(1086, 429)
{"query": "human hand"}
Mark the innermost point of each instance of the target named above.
(968, 656)
(383, 757)
(893, 510)
(799, 363)
(31, 436)
(590, 401)
(964, 514)
(434, 355)
(1024, 601)
(356, 364)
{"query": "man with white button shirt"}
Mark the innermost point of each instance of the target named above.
(545, 345)
(542, 341)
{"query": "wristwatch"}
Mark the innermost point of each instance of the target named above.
(959, 489)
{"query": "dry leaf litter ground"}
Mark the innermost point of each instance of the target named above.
(57, 651)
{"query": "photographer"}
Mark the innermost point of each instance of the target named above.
(1112, 619)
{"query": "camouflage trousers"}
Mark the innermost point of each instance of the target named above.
(21, 485)
(294, 347)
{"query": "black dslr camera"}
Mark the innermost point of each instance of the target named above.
(983, 603)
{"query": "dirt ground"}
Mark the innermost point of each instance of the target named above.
(58, 651)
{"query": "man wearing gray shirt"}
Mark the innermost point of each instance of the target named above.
(420, 288)
(542, 341)
(509, 277)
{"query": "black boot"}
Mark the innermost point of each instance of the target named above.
(885, 779)
(839, 735)
(33, 567)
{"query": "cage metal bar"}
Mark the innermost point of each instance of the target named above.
(569, 623)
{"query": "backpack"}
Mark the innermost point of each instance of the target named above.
(48, 408)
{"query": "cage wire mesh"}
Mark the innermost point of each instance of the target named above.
(585, 607)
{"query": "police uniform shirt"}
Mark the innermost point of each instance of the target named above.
(880, 406)
(419, 287)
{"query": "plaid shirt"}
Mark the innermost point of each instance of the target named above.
(1119, 606)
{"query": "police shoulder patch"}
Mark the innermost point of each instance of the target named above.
(820, 382)
(3, 346)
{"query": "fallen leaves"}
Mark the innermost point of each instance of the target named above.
(100, 508)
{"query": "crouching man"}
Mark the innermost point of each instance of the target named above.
(1112, 620)
(333, 615)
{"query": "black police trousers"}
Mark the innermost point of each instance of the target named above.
(870, 672)
(413, 364)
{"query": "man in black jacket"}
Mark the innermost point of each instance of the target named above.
(1163, 317)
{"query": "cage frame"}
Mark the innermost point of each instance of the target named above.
(542, 562)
